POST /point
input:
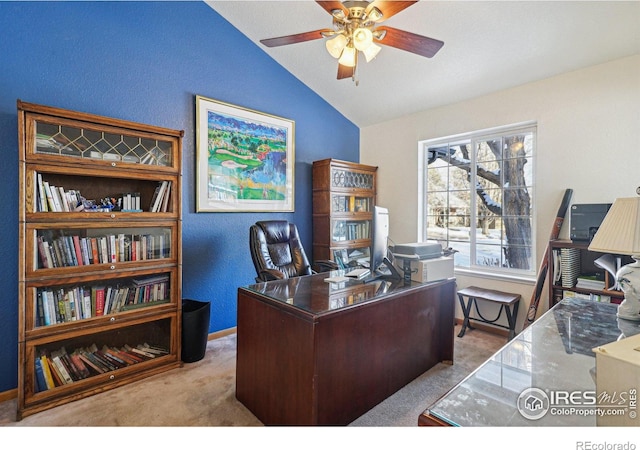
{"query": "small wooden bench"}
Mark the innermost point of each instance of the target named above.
(508, 302)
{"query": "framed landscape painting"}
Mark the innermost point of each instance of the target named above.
(245, 159)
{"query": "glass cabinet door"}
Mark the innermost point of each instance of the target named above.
(89, 246)
(64, 302)
(354, 179)
(350, 230)
(350, 204)
(68, 138)
(69, 363)
(352, 256)
(89, 191)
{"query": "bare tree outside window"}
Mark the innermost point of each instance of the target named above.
(479, 195)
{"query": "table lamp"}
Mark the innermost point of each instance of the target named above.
(619, 234)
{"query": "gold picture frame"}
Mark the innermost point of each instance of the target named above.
(245, 159)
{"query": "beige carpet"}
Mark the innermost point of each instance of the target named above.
(202, 394)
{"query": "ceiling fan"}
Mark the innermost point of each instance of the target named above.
(356, 29)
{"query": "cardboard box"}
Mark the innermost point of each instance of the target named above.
(426, 270)
(618, 381)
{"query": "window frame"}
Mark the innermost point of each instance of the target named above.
(473, 138)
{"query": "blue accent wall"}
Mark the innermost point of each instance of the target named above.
(146, 62)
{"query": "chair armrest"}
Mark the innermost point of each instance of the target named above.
(269, 275)
(325, 265)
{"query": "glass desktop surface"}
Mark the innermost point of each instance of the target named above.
(555, 353)
(312, 294)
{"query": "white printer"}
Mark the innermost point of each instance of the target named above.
(425, 260)
(422, 250)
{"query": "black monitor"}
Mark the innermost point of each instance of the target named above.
(380, 264)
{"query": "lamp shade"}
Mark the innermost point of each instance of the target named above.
(371, 51)
(619, 232)
(348, 57)
(336, 45)
(362, 38)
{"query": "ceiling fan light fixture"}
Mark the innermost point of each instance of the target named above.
(371, 52)
(338, 14)
(336, 45)
(348, 57)
(374, 15)
(362, 38)
(379, 35)
(356, 30)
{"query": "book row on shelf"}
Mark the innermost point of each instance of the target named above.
(160, 199)
(569, 273)
(52, 198)
(61, 305)
(58, 250)
(57, 368)
(349, 231)
(351, 204)
(591, 282)
(593, 297)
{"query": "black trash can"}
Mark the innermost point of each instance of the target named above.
(195, 329)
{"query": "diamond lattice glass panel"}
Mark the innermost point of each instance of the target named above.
(78, 142)
(347, 179)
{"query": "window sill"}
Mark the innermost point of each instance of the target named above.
(513, 278)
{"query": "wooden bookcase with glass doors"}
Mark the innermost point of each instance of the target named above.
(344, 196)
(100, 254)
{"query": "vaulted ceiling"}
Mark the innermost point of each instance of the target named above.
(488, 46)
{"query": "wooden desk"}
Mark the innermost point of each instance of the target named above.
(318, 353)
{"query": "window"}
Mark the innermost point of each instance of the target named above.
(477, 198)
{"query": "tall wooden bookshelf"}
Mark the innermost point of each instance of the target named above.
(344, 196)
(100, 263)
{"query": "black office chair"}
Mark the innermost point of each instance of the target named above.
(277, 252)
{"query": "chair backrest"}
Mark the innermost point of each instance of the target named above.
(276, 250)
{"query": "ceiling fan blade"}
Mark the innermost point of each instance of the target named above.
(388, 8)
(330, 6)
(410, 42)
(295, 38)
(345, 71)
